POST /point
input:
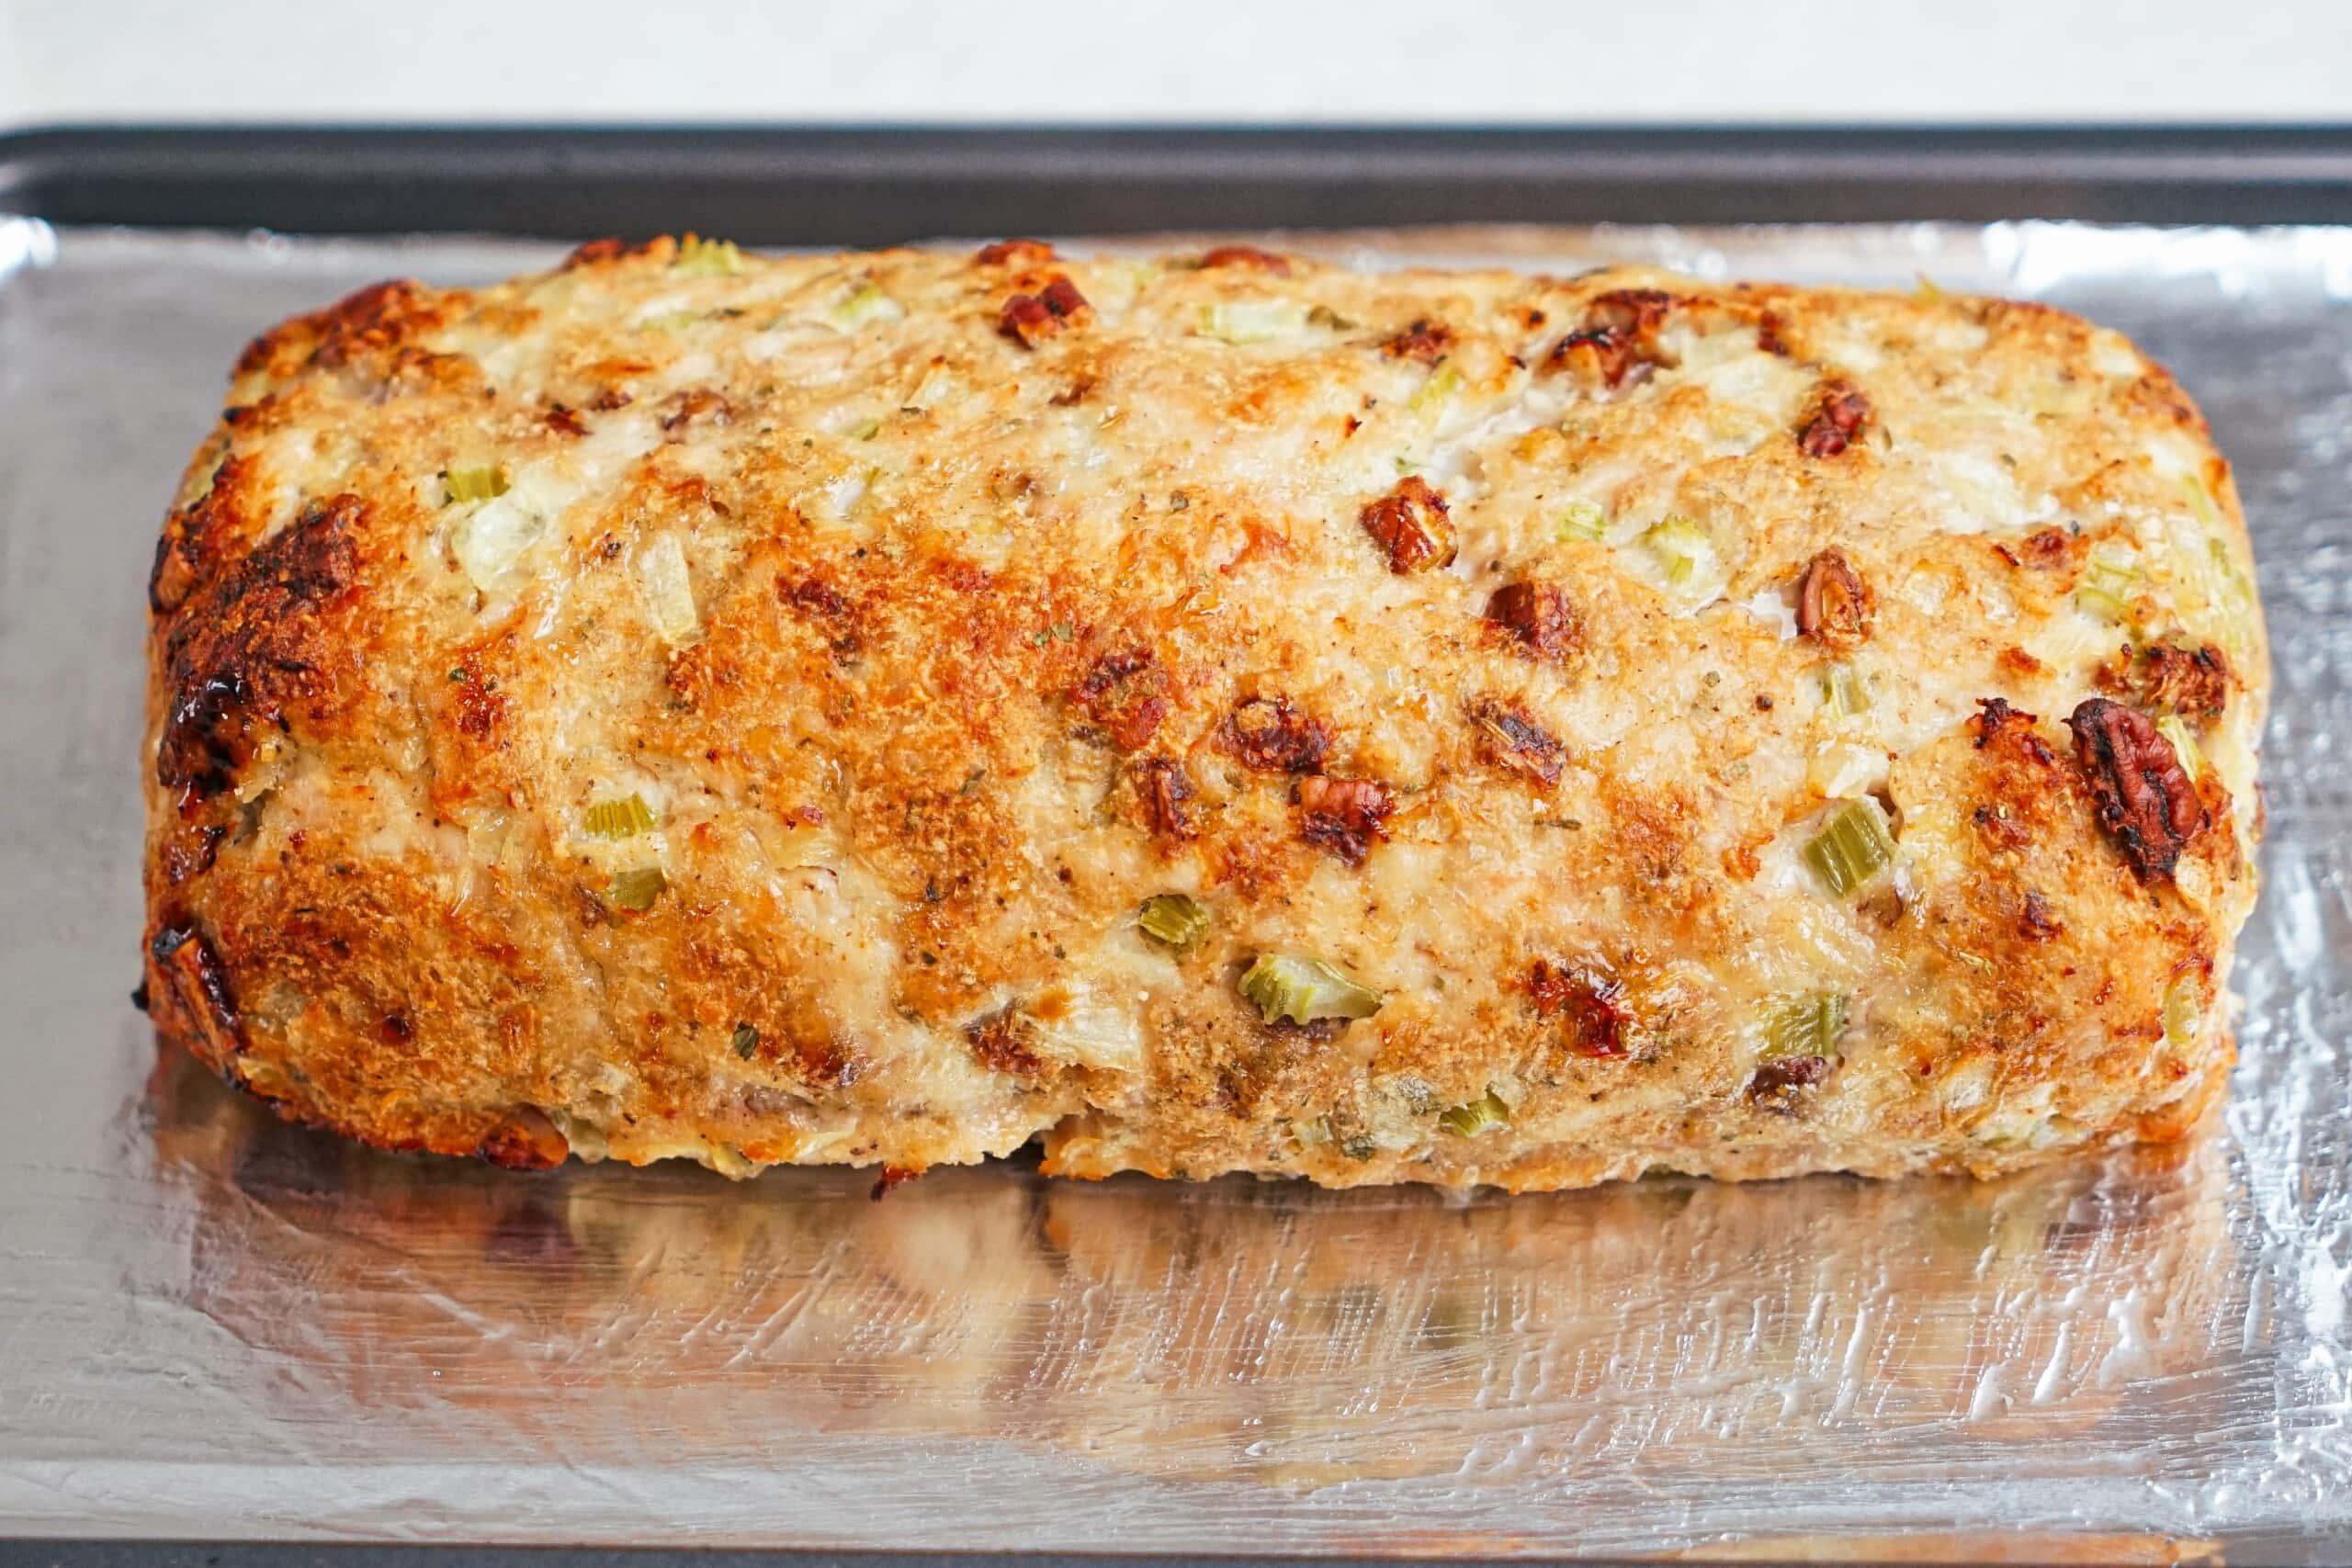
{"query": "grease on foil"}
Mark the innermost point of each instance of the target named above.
(211, 1325)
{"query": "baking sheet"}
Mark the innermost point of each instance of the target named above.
(214, 1325)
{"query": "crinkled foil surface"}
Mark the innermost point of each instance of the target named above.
(211, 1325)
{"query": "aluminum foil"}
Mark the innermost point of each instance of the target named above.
(212, 1325)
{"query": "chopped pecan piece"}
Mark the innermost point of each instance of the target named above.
(2019, 665)
(1016, 253)
(1425, 341)
(2145, 798)
(1029, 319)
(696, 404)
(1273, 736)
(1780, 1084)
(2035, 922)
(1838, 413)
(1539, 615)
(1618, 338)
(1344, 816)
(1593, 1006)
(1126, 694)
(1410, 523)
(1003, 1043)
(815, 595)
(2046, 548)
(2191, 682)
(822, 601)
(1509, 737)
(2014, 736)
(610, 248)
(524, 1140)
(1248, 256)
(1835, 604)
(2001, 827)
(893, 1177)
(1995, 716)
(1166, 790)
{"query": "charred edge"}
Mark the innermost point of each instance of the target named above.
(236, 652)
(374, 319)
(1995, 716)
(1424, 341)
(198, 982)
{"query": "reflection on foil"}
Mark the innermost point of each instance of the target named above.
(211, 1323)
(1267, 1328)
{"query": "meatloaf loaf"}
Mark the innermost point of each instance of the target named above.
(1216, 713)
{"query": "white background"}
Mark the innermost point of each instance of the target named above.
(1379, 60)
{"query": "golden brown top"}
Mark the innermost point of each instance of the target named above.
(692, 703)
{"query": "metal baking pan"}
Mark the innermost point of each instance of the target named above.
(884, 187)
(216, 1327)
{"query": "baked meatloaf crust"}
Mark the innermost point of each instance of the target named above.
(1216, 713)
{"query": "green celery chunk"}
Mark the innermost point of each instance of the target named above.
(1284, 986)
(1176, 918)
(1852, 847)
(1481, 1115)
(624, 816)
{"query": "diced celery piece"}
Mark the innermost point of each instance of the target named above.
(1442, 383)
(1481, 1115)
(463, 485)
(698, 257)
(863, 305)
(1284, 986)
(637, 888)
(1852, 847)
(624, 816)
(1681, 547)
(1806, 1025)
(1581, 520)
(2109, 583)
(1843, 691)
(2174, 728)
(1176, 918)
(1251, 320)
(2182, 1006)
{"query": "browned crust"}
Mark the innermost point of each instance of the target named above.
(916, 768)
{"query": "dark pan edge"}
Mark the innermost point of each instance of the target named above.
(871, 187)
